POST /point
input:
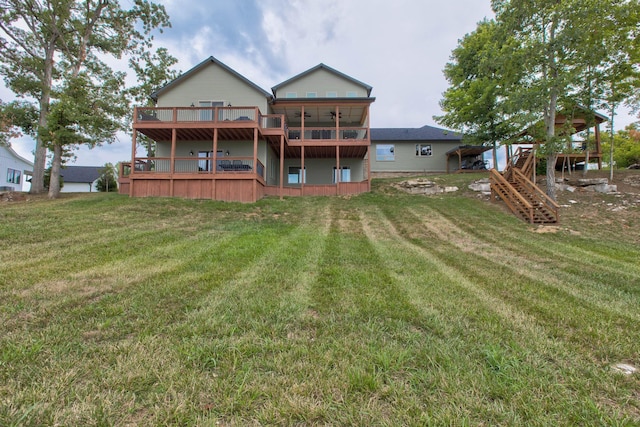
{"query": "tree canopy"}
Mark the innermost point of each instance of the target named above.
(55, 54)
(536, 58)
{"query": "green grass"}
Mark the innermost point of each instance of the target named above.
(380, 309)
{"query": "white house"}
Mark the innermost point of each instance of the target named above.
(14, 170)
(80, 179)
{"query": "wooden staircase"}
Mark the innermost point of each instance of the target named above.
(515, 187)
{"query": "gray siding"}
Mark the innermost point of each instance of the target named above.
(321, 81)
(405, 159)
(320, 171)
(213, 83)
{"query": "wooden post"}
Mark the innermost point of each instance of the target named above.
(368, 154)
(302, 123)
(304, 175)
(255, 164)
(134, 140)
(337, 122)
(172, 166)
(214, 166)
(337, 170)
(598, 146)
(281, 166)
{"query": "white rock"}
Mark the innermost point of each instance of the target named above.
(624, 368)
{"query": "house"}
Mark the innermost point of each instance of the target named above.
(80, 179)
(420, 150)
(13, 170)
(220, 136)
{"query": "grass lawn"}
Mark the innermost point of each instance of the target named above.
(379, 309)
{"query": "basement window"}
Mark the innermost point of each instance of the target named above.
(296, 175)
(345, 174)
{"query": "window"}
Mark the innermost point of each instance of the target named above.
(423, 150)
(385, 153)
(207, 113)
(352, 94)
(204, 164)
(296, 175)
(312, 94)
(345, 174)
(13, 176)
(332, 94)
(292, 94)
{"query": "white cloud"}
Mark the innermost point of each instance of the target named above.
(399, 47)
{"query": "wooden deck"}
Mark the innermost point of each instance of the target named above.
(233, 178)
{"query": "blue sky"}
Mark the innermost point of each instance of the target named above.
(399, 48)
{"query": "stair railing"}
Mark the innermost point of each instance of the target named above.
(512, 198)
(540, 196)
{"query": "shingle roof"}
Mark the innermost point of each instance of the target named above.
(329, 69)
(85, 174)
(209, 60)
(425, 133)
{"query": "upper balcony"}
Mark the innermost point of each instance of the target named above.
(317, 126)
(197, 123)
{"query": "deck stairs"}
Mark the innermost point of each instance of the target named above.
(514, 186)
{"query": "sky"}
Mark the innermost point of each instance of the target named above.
(399, 47)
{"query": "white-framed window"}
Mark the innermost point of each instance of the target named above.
(352, 94)
(332, 94)
(345, 174)
(296, 175)
(13, 176)
(423, 150)
(312, 94)
(385, 152)
(291, 95)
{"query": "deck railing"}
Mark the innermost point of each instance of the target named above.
(329, 133)
(196, 165)
(150, 115)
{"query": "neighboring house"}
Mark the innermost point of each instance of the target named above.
(80, 179)
(14, 170)
(220, 136)
(420, 150)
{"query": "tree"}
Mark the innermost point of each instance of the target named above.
(626, 147)
(152, 71)
(473, 104)
(16, 118)
(107, 180)
(46, 46)
(553, 39)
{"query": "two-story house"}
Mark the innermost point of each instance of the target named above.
(219, 136)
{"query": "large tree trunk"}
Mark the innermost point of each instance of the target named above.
(40, 158)
(551, 174)
(56, 164)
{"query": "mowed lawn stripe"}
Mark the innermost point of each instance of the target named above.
(554, 304)
(535, 359)
(523, 260)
